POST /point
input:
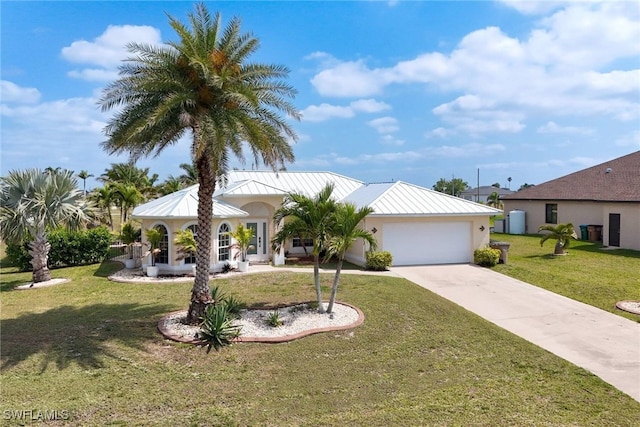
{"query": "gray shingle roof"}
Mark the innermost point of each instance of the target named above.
(617, 180)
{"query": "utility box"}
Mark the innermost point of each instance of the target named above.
(595, 233)
(504, 250)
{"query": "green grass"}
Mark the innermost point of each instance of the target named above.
(91, 347)
(588, 273)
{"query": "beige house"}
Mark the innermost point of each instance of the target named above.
(415, 224)
(605, 197)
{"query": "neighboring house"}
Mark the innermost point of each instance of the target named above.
(606, 195)
(480, 194)
(417, 225)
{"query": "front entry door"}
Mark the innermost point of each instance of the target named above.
(259, 242)
(614, 229)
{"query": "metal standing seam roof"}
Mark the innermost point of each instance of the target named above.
(387, 199)
(249, 188)
(307, 183)
(404, 199)
(184, 204)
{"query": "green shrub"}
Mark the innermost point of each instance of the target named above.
(379, 261)
(217, 327)
(68, 248)
(486, 257)
(234, 305)
(273, 319)
(18, 256)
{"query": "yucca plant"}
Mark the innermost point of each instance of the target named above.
(562, 233)
(217, 327)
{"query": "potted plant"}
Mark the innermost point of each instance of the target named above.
(563, 233)
(186, 244)
(130, 235)
(242, 235)
(154, 237)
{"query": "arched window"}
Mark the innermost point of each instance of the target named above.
(163, 256)
(224, 243)
(192, 258)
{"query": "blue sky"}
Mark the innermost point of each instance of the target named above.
(412, 91)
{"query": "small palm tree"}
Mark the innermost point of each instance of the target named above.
(311, 218)
(186, 243)
(346, 231)
(129, 235)
(562, 233)
(32, 202)
(154, 237)
(242, 235)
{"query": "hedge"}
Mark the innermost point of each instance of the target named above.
(68, 248)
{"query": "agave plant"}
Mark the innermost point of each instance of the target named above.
(562, 233)
(217, 327)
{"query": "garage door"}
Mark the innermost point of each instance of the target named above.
(428, 242)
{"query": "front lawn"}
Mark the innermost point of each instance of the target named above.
(590, 274)
(91, 347)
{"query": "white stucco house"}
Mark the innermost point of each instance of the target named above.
(417, 225)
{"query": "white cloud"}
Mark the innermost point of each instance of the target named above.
(348, 79)
(11, 92)
(384, 125)
(467, 150)
(324, 111)
(552, 127)
(390, 140)
(579, 60)
(108, 50)
(532, 7)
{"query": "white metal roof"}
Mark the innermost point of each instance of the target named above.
(184, 204)
(249, 188)
(307, 183)
(404, 199)
(387, 199)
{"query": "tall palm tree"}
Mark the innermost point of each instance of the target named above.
(562, 233)
(203, 85)
(32, 202)
(308, 218)
(83, 175)
(345, 233)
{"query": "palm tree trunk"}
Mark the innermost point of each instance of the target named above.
(39, 252)
(201, 293)
(559, 249)
(334, 289)
(316, 279)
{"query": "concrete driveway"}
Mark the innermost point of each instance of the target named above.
(600, 342)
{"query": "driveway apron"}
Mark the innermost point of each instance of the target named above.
(603, 343)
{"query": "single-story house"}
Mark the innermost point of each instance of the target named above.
(415, 224)
(605, 196)
(482, 193)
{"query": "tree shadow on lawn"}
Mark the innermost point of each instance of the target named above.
(606, 251)
(68, 334)
(107, 268)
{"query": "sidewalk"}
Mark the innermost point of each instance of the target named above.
(603, 343)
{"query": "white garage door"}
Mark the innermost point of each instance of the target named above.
(428, 242)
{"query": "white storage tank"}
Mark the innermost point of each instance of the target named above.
(517, 222)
